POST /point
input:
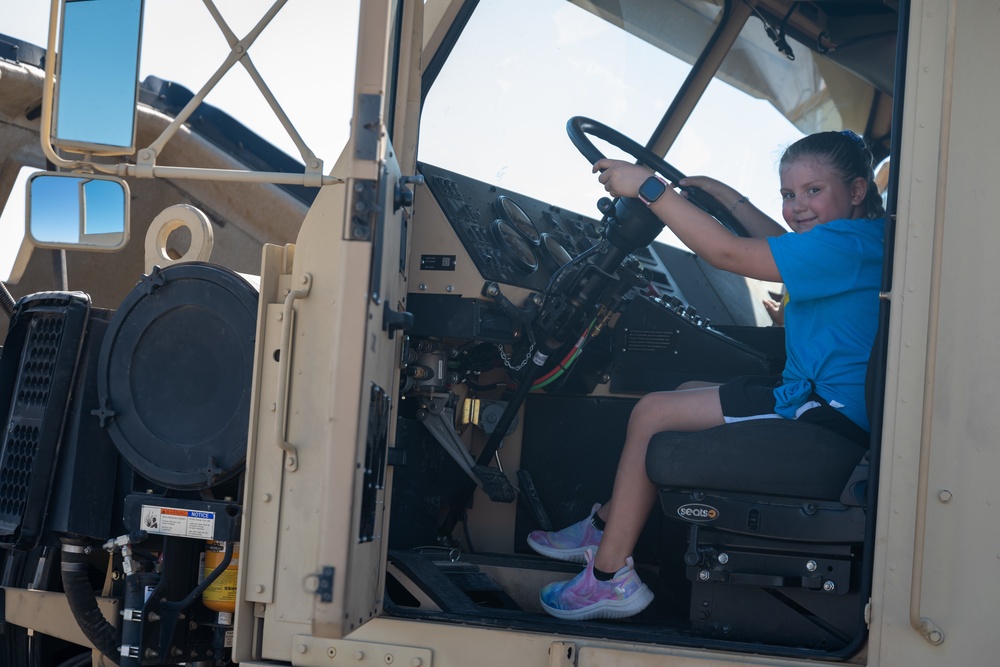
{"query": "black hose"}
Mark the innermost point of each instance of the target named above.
(83, 602)
(6, 301)
(82, 660)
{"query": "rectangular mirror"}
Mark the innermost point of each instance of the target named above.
(77, 211)
(97, 83)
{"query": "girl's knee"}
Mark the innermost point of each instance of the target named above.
(650, 405)
(676, 411)
(653, 413)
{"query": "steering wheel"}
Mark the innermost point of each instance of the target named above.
(578, 127)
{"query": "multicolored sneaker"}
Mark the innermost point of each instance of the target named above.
(584, 597)
(571, 542)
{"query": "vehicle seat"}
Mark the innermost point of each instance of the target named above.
(776, 516)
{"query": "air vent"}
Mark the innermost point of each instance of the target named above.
(37, 369)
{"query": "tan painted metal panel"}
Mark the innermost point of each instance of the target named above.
(49, 614)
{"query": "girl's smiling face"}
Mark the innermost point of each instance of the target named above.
(813, 193)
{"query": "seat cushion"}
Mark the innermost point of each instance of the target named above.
(771, 457)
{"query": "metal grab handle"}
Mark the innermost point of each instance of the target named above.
(284, 354)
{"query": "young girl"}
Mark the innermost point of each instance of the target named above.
(832, 268)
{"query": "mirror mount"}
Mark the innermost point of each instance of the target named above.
(145, 166)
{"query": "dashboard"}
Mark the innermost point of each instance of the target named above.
(516, 240)
(688, 320)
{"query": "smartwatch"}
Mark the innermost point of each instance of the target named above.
(652, 189)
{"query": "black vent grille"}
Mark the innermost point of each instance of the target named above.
(39, 360)
(34, 386)
(19, 459)
(37, 368)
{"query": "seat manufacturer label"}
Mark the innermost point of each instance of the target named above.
(698, 513)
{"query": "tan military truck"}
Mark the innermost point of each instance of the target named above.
(269, 412)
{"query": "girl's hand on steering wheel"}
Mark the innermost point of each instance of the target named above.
(620, 178)
(725, 194)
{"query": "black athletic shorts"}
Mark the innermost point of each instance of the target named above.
(752, 397)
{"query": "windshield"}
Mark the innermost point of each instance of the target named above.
(498, 110)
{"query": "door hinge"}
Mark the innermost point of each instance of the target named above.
(324, 584)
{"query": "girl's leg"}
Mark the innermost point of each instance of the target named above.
(634, 495)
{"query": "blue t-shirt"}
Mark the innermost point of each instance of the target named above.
(833, 274)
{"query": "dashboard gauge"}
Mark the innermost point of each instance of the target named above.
(508, 209)
(514, 247)
(554, 252)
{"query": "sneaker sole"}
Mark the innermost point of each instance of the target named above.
(630, 606)
(570, 555)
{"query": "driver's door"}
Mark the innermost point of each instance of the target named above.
(333, 307)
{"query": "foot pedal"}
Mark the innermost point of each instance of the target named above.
(530, 494)
(495, 484)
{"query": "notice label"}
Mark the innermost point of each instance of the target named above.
(178, 522)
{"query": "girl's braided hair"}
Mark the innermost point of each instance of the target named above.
(847, 154)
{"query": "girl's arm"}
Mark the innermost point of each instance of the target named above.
(698, 230)
(755, 221)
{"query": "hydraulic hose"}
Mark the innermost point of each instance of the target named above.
(7, 302)
(83, 602)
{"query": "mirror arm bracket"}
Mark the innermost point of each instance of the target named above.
(229, 175)
(145, 163)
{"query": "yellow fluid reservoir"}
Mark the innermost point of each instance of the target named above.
(221, 593)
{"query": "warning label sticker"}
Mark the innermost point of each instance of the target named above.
(178, 522)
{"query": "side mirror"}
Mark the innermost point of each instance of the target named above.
(77, 211)
(97, 86)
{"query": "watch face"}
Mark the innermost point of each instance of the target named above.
(651, 189)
